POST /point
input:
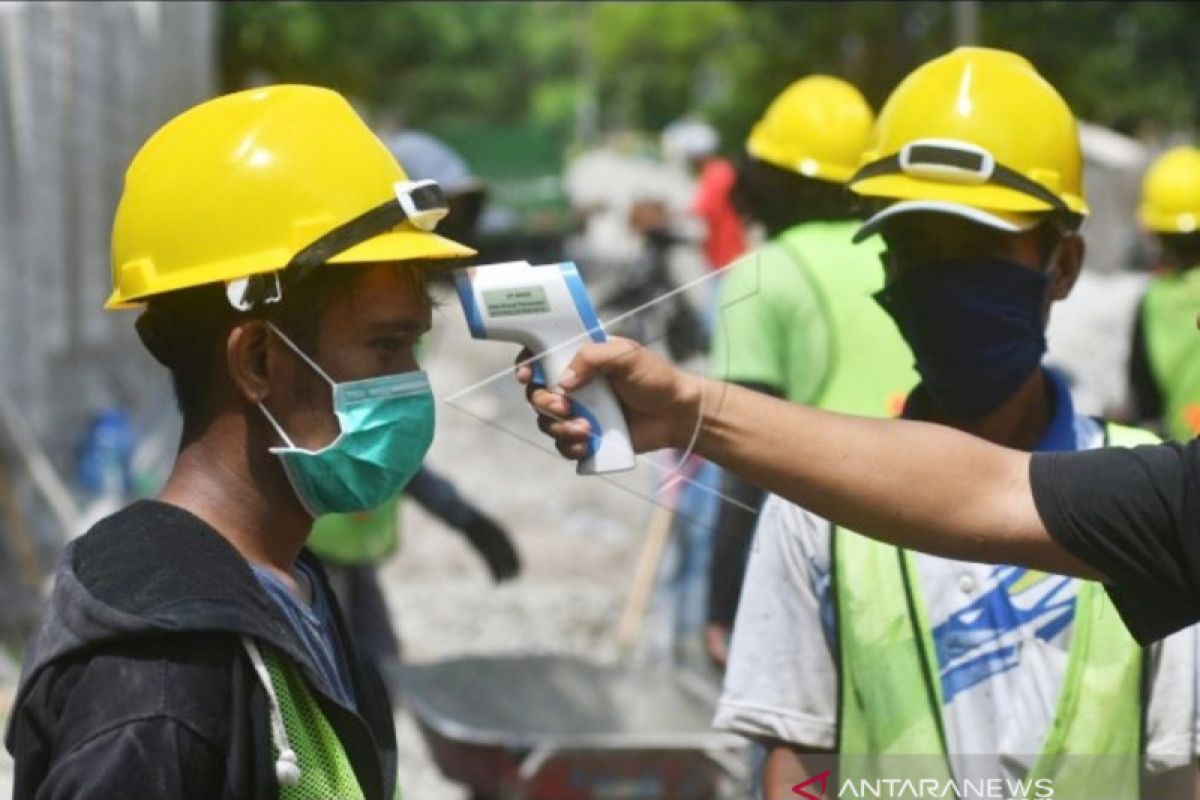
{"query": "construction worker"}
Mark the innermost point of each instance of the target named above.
(1125, 516)
(796, 318)
(192, 648)
(971, 290)
(1164, 363)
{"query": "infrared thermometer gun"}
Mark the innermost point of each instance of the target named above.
(547, 309)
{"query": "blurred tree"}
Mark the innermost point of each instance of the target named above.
(871, 44)
(570, 67)
(1123, 64)
(432, 62)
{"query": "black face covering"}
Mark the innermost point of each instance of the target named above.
(976, 327)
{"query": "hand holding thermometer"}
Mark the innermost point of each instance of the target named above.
(547, 309)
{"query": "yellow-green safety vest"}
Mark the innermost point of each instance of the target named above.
(1169, 328)
(870, 366)
(325, 769)
(890, 708)
(360, 537)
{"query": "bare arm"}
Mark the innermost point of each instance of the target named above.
(786, 766)
(922, 486)
(917, 485)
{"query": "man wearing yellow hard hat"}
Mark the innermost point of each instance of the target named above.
(974, 181)
(192, 648)
(1164, 362)
(796, 318)
(970, 287)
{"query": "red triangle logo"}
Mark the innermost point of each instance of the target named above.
(822, 779)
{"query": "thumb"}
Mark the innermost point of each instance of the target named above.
(604, 358)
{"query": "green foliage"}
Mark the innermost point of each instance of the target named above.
(451, 65)
(429, 62)
(1119, 63)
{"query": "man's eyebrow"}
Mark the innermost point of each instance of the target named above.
(399, 326)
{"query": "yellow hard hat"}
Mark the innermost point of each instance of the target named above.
(977, 133)
(1171, 192)
(268, 182)
(817, 127)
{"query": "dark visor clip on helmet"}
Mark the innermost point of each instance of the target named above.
(420, 203)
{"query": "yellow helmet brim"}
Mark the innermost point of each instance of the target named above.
(1158, 221)
(987, 196)
(401, 244)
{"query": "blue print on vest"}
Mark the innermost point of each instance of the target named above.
(983, 639)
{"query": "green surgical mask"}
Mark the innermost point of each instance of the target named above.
(386, 428)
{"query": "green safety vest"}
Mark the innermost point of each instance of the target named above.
(1169, 326)
(890, 704)
(360, 537)
(870, 366)
(325, 770)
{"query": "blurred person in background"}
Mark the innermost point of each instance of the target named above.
(687, 484)
(192, 646)
(796, 318)
(353, 546)
(1164, 364)
(431, 158)
(693, 144)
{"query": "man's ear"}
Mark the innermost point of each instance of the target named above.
(246, 359)
(1066, 265)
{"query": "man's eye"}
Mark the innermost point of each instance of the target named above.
(391, 344)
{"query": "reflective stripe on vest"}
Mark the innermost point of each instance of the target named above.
(1168, 323)
(870, 366)
(891, 698)
(326, 771)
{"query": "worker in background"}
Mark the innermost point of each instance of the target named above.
(796, 317)
(192, 646)
(693, 144)
(970, 289)
(353, 546)
(1164, 364)
(433, 159)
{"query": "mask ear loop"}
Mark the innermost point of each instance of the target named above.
(332, 383)
(315, 367)
(275, 424)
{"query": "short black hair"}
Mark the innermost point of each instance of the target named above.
(186, 330)
(1181, 249)
(781, 198)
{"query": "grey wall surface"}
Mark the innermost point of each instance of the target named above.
(81, 87)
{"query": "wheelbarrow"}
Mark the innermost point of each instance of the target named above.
(553, 727)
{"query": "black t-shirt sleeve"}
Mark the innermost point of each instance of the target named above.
(1130, 513)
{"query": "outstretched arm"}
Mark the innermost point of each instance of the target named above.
(912, 484)
(917, 485)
